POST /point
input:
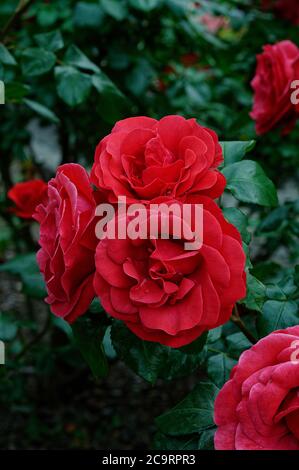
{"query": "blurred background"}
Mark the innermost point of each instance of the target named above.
(72, 69)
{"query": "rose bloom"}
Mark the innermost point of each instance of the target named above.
(27, 196)
(68, 241)
(258, 408)
(277, 68)
(165, 293)
(143, 158)
(287, 9)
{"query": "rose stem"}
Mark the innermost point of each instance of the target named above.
(235, 318)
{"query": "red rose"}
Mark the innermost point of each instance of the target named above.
(287, 9)
(275, 72)
(169, 295)
(143, 158)
(27, 196)
(258, 408)
(67, 240)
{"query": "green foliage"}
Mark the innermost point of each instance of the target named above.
(193, 415)
(52, 41)
(219, 367)
(6, 57)
(42, 110)
(88, 334)
(73, 86)
(256, 293)
(25, 266)
(234, 151)
(281, 309)
(248, 183)
(37, 61)
(239, 220)
(8, 328)
(277, 315)
(153, 360)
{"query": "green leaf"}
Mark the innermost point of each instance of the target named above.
(73, 86)
(15, 91)
(115, 8)
(239, 220)
(196, 346)
(108, 346)
(206, 441)
(266, 271)
(237, 344)
(248, 264)
(214, 335)
(177, 6)
(219, 368)
(74, 56)
(193, 415)
(20, 264)
(6, 57)
(88, 334)
(26, 267)
(276, 217)
(113, 104)
(140, 77)
(285, 289)
(34, 285)
(42, 110)
(235, 151)
(277, 315)
(256, 293)
(52, 41)
(153, 360)
(88, 15)
(63, 326)
(144, 5)
(47, 14)
(96, 307)
(37, 61)
(248, 183)
(8, 327)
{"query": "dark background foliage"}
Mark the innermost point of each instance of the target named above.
(71, 69)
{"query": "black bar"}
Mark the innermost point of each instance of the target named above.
(81, 459)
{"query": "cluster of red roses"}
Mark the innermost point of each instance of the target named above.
(161, 291)
(277, 70)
